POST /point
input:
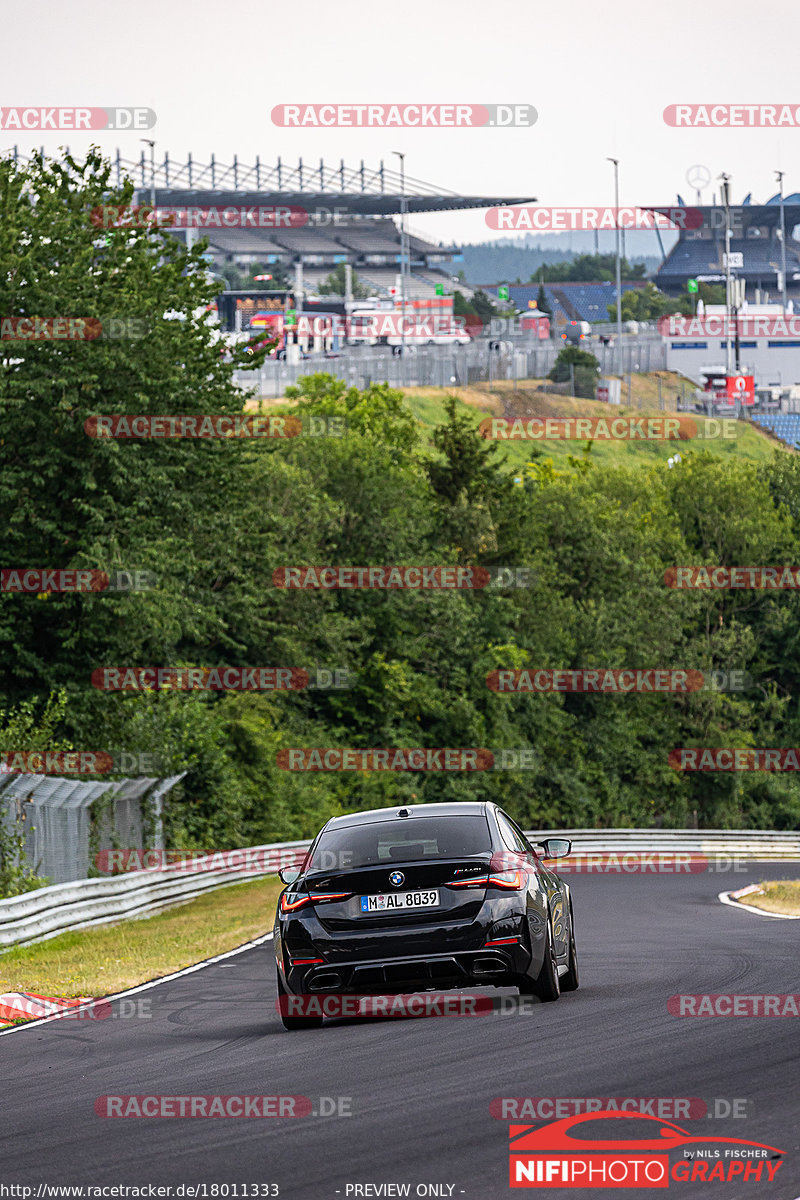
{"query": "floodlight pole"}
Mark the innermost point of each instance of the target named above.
(615, 161)
(779, 175)
(403, 248)
(726, 201)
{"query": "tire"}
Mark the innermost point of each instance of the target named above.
(292, 1023)
(569, 982)
(547, 986)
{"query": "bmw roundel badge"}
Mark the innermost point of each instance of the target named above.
(396, 878)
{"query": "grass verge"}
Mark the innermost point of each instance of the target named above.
(779, 896)
(530, 398)
(111, 958)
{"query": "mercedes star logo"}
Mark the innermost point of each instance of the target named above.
(698, 176)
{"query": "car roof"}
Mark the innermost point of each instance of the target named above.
(455, 808)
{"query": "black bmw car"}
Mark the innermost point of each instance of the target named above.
(431, 896)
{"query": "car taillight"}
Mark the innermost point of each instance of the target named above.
(509, 870)
(292, 903)
(476, 881)
(513, 881)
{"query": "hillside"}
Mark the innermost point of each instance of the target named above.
(537, 398)
(530, 399)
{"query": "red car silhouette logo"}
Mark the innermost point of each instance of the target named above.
(558, 1136)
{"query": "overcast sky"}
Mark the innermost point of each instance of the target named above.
(599, 72)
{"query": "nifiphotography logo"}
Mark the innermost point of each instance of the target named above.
(578, 1153)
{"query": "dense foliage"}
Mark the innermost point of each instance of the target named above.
(587, 267)
(214, 519)
(578, 366)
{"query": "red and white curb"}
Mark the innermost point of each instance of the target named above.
(752, 889)
(16, 1006)
(80, 1005)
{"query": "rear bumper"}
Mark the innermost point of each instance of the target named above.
(498, 966)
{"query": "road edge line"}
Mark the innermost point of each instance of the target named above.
(725, 898)
(141, 987)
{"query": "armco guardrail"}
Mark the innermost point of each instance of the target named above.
(52, 910)
(746, 843)
(48, 911)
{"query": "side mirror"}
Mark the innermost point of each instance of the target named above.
(289, 874)
(555, 847)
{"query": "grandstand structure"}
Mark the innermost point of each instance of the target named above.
(371, 246)
(755, 235)
(568, 301)
(351, 217)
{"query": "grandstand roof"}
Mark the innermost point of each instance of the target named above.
(787, 200)
(359, 190)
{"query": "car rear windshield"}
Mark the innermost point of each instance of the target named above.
(402, 840)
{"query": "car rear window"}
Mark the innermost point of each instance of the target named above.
(401, 840)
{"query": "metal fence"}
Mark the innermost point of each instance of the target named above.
(54, 815)
(457, 368)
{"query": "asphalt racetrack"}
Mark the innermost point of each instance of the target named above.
(419, 1090)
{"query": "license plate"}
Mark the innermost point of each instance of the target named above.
(400, 900)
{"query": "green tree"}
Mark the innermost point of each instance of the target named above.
(468, 464)
(486, 308)
(580, 365)
(585, 268)
(648, 303)
(542, 302)
(68, 499)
